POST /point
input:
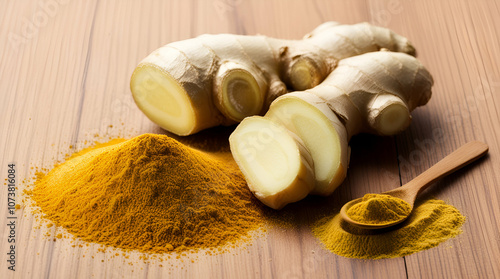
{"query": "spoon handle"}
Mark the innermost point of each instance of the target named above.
(457, 159)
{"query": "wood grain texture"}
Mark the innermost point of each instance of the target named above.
(64, 78)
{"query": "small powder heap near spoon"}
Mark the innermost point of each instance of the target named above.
(431, 223)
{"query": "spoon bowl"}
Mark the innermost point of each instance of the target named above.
(409, 192)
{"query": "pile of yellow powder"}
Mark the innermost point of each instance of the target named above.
(150, 193)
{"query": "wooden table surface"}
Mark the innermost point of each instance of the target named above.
(65, 68)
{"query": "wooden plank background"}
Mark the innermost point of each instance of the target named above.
(64, 77)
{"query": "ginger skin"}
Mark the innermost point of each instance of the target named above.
(211, 80)
(370, 93)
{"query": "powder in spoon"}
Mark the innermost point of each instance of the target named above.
(431, 223)
(379, 209)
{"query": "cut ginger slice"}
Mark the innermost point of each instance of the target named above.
(277, 166)
(163, 100)
(321, 132)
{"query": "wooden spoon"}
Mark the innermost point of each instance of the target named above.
(409, 192)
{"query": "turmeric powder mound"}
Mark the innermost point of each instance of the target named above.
(430, 223)
(150, 193)
(379, 209)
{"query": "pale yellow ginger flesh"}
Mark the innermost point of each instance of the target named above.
(322, 133)
(372, 92)
(164, 99)
(240, 94)
(211, 80)
(276, 165)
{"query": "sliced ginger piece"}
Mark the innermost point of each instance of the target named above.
(322, 133)
(277, 166)
(238, 92)
(163, 100)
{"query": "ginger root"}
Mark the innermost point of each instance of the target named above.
(372, 93)
(212, 80)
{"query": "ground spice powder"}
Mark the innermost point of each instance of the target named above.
(379, 209)
(150, 193)
(430, 223)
